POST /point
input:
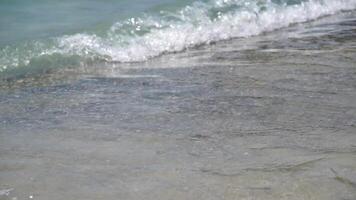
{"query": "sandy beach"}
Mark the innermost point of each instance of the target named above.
(261, 118)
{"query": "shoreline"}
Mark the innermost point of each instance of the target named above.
(275, 120)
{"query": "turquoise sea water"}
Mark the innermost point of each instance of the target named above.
(22, 20)
(52, 34)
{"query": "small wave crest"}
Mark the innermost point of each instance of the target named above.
(150, 35)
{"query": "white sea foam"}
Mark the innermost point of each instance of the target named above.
(142, 38)
(195, 26)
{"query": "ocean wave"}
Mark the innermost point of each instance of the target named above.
(150, 35)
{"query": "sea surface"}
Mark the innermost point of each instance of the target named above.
(203, 100)
(39, 35)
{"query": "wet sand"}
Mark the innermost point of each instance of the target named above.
(267, 117)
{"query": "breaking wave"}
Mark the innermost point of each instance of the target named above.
(149, 35)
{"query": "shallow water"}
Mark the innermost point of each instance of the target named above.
(266, 117)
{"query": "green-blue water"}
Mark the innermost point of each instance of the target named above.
(45, 34)
(22, 20)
